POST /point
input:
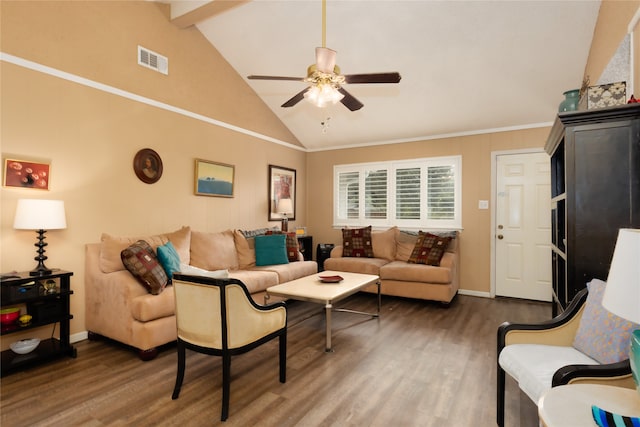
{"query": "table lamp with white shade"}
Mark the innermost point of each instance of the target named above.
(40, 215)
(622, 293)
(285, 207)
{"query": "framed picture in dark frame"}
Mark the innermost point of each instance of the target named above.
(214, 179)
(147, 165)
(282, 185)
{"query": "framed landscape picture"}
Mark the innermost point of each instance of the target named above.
(282, 186)
(26, 174)
(214, 179)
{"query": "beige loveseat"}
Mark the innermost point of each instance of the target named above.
(120, 308)
(391, 250)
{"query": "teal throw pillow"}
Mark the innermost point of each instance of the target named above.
(271, 250)
(169, 258)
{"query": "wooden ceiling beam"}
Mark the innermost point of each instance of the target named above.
(205, 11)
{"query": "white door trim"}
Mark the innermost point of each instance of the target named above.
(494, 178)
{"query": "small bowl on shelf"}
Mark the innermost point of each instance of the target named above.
(25, 346)
(8, 316)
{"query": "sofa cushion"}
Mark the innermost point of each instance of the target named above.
(145, 308)
(533, 365)
(213, 251)
(141, 261)
(355, 265)
(169, 259)
(291, 244)
(601, 334)
(271, 249)
(400, 270)
(356, 242)
(291, 271)
(112, 246)
(405, 242)
(429, 249)
(246, 249)
(384, 243)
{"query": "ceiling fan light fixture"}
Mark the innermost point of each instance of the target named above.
(323, 94)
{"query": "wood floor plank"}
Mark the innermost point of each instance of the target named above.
(419, 364)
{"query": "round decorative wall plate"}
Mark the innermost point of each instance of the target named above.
(147, 165)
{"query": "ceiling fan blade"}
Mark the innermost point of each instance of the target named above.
(325, 59)
(393, 77)
(296, 98)
(298, 79)
(350, 101)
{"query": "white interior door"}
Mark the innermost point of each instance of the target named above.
(523, 226)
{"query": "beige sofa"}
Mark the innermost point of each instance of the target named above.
(392, 249)
(120, 308)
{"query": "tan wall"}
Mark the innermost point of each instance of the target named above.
(90, 137)
(476, 185)
(611, 28)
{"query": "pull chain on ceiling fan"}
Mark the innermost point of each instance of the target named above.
(325, 78)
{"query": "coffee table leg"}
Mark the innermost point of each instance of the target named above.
(327, 318)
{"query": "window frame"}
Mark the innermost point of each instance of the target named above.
(391, 167)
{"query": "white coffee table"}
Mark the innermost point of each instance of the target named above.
(311, 289)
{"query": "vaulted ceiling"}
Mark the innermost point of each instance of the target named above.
(466, 66)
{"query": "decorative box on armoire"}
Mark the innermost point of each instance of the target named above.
(595, 191)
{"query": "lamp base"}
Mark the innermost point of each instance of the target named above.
(40, 269)
(284, 225)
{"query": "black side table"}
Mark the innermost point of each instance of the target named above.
(306, 247)
(323, 251)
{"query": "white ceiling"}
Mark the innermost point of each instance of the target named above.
(466, 66)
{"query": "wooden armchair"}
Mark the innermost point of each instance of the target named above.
(541, 356)
(219, 317)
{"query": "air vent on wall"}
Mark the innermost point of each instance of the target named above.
(150, 59)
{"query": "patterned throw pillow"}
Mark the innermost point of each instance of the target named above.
(356, 242)
(602, 335)
(142, 262)
(429, 249)
(291, 242)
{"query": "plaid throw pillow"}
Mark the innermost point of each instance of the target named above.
(141, 261)
(291, 242)
(356, 242)
(429, 249)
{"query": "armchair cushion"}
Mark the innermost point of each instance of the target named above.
(533, 365)
(601, 334)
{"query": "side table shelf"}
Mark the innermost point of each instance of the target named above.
(47, 307)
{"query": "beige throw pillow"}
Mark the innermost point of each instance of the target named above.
(214, 251)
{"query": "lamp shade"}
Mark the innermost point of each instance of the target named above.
(622, 293)
(285, 207)
(37, 214)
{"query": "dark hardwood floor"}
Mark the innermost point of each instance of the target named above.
(418, 365)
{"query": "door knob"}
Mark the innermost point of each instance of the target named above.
(500, 236)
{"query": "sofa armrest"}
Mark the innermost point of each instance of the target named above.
(336, 252)
(560, 330)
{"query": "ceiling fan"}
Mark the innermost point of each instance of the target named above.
(325, 80)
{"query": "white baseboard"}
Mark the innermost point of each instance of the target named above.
(80, 336)
(474, 293)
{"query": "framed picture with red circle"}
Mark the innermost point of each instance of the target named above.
(147, 165)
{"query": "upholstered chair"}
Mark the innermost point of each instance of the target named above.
(219, 317)
(584, 344)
